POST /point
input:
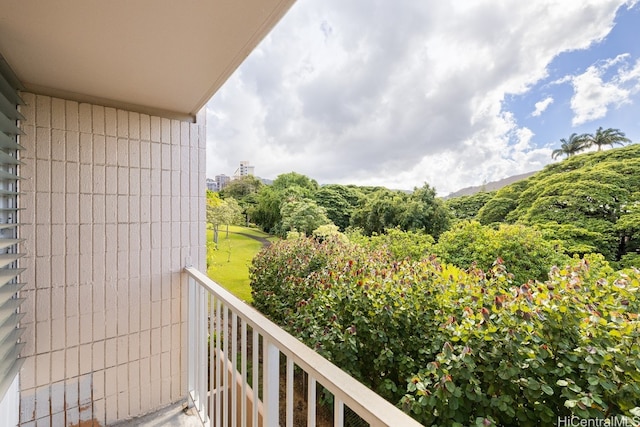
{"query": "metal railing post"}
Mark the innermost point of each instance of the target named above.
(270, 340)
(191, 342)
(271, 386)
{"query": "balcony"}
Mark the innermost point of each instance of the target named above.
(110, 130)
(253, 360)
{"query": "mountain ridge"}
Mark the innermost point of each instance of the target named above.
(490, 186)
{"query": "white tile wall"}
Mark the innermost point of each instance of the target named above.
(115, 204)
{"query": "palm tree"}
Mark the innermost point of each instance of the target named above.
(606, 137)
(573, 145)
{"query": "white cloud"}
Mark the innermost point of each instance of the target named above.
(541, 106)
(632, 76)
(593, 96)
(396, 93)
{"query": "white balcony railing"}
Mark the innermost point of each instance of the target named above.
(254, 362)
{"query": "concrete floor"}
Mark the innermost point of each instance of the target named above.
(170, 416)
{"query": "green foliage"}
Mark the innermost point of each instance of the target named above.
(266, 211)
(339, 202)
(400, 244)
(467, 207)
(278, 272)
(589, 201)
(527, 355)
(329, 231)
(524, 250)
(295, 190)
(379, 211)
(631, 260)
(423, 211)
(496, 210)
(499, 206)
(302, 215)
(580, 240)
(601, 137)
(294, 179)
(385, 209)
(456, 347)
(241, 188)
(221, 212)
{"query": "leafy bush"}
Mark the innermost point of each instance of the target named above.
(456, 347)
(328, 231)
(366, 318)
(630, 260)
(400, 244)
(524, 250)
(279, 271)
(529, 354)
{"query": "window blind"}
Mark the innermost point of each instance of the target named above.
(10, 315)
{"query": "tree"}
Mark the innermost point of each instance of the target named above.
(384, 209)
(424, 211)
(339, 201)
(379, 211)
(587, 203)
(221, 212)
(502, 203)
(266, 211)
(242, 187)
(608, 136)
(302, 215)
(291, 179)
(467, 207)
(400, 244)
(244, 190)
(570, 147)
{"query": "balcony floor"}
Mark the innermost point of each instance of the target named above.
(171, 416)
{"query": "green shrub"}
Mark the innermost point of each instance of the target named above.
(368, 317)
(523, 249)
(529, 354)
(279, 271)
(460, 347)
(400, 244)
(630, 260)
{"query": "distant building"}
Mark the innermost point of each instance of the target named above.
(221, 181)
(212, 185)
(244, 170)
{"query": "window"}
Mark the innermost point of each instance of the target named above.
(10, 315)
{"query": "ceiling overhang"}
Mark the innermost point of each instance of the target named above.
(164, 57)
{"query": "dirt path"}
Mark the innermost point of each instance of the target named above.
(262, 240)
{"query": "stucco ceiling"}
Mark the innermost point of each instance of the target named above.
(149, 55)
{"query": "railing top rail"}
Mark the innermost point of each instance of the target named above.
(353, 393)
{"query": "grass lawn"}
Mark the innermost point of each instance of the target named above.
(229, 265)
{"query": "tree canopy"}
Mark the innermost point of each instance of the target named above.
(467, 207)
(586, 202)
(279, 208)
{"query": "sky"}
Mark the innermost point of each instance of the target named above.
(401, 93)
